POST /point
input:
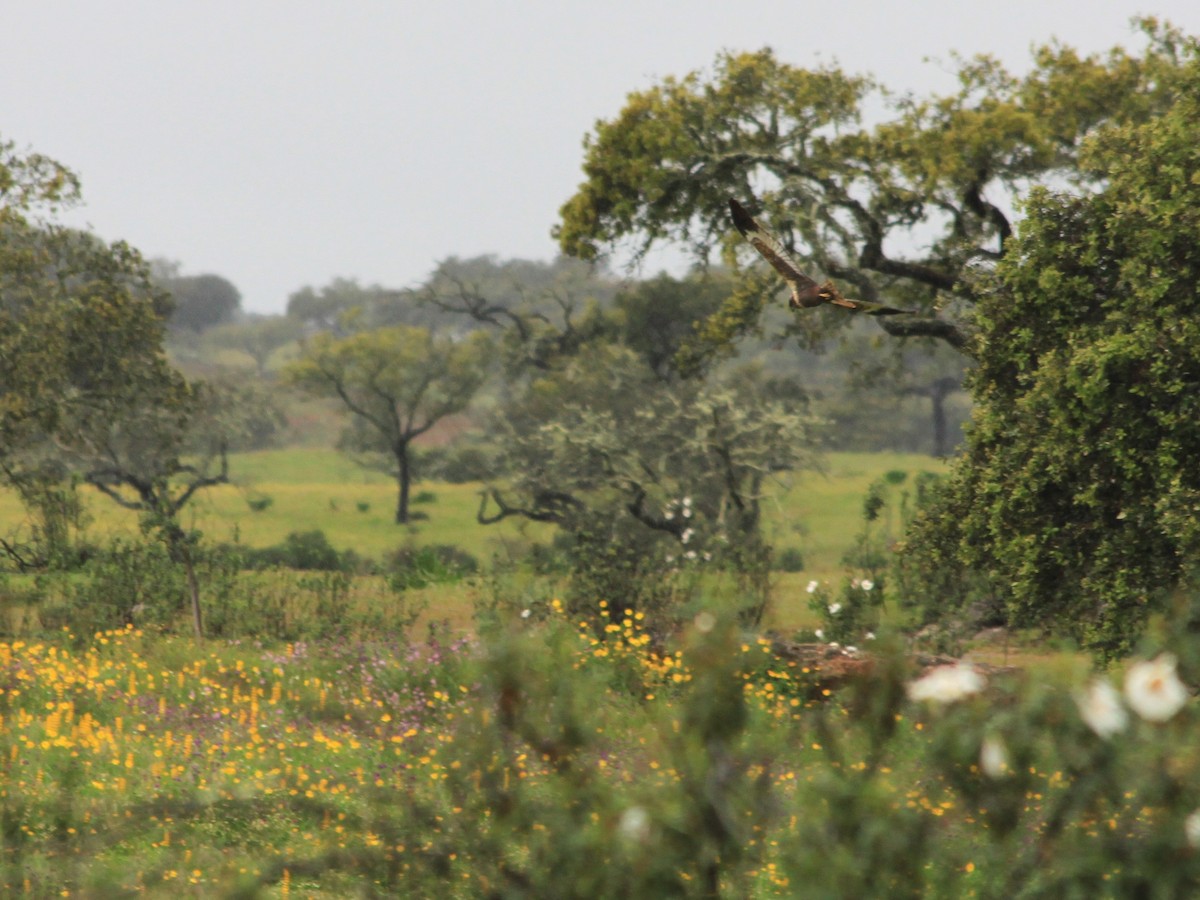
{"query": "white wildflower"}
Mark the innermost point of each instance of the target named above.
(686, 536)
(945, 684)
(819, 634)
(867, 584)
(691, 554)
(870, 635)
(993, 757)
(1191, 828)
(687, 501)
(635, 824)
(1153, 690)
(687, 512)
(812, 586)
(1101, 709)
(835, 608)
(526, 613)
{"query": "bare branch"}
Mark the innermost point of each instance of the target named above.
(548, 506)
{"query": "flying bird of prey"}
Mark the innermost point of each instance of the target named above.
(806, 293)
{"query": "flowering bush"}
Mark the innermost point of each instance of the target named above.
(851, 618)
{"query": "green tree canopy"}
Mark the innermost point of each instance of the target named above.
(397, 383)
(1078, 500)
(912, 208)
(258, 337)
(644, 474)
(659, 315)
(86, 390)
(201, 302)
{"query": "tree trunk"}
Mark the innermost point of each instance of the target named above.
(939, 424)
(180, 551)
(403, 479)
(194, 593)
(938, 392)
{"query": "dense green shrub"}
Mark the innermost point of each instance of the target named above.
(1077, 494)
(303, 550)
(417, 567)
(127, 582)
(624, 564)
(790, 559)
(460, 463)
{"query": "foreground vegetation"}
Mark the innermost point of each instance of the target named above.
(553, 757)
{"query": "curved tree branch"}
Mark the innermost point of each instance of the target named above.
(913, 326)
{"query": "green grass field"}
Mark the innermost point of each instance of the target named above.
(818, 513)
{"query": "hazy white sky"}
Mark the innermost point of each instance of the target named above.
(285, 142)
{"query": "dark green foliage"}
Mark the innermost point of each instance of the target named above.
(624, 564)
(660, 315)
(460, 462)
(789, 560)
(1077, 498)
(418, 567)
(303, 550)
(127, 582)
(202, 301)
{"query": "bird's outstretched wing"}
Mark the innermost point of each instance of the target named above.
(806, 293)
(865, 306)
(804, 289)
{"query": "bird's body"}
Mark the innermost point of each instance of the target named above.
(806, 293)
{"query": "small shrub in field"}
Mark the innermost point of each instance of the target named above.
(851, 616)
(126, 582)
(303, 550)
(789, 560)
(417, 567)
(260, 502)
(424, 497)
(627, 567)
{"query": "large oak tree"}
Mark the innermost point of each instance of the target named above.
(911, 207)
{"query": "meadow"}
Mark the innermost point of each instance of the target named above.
(274, 493)
(530, 751)
(552, 758)
(307, 488)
